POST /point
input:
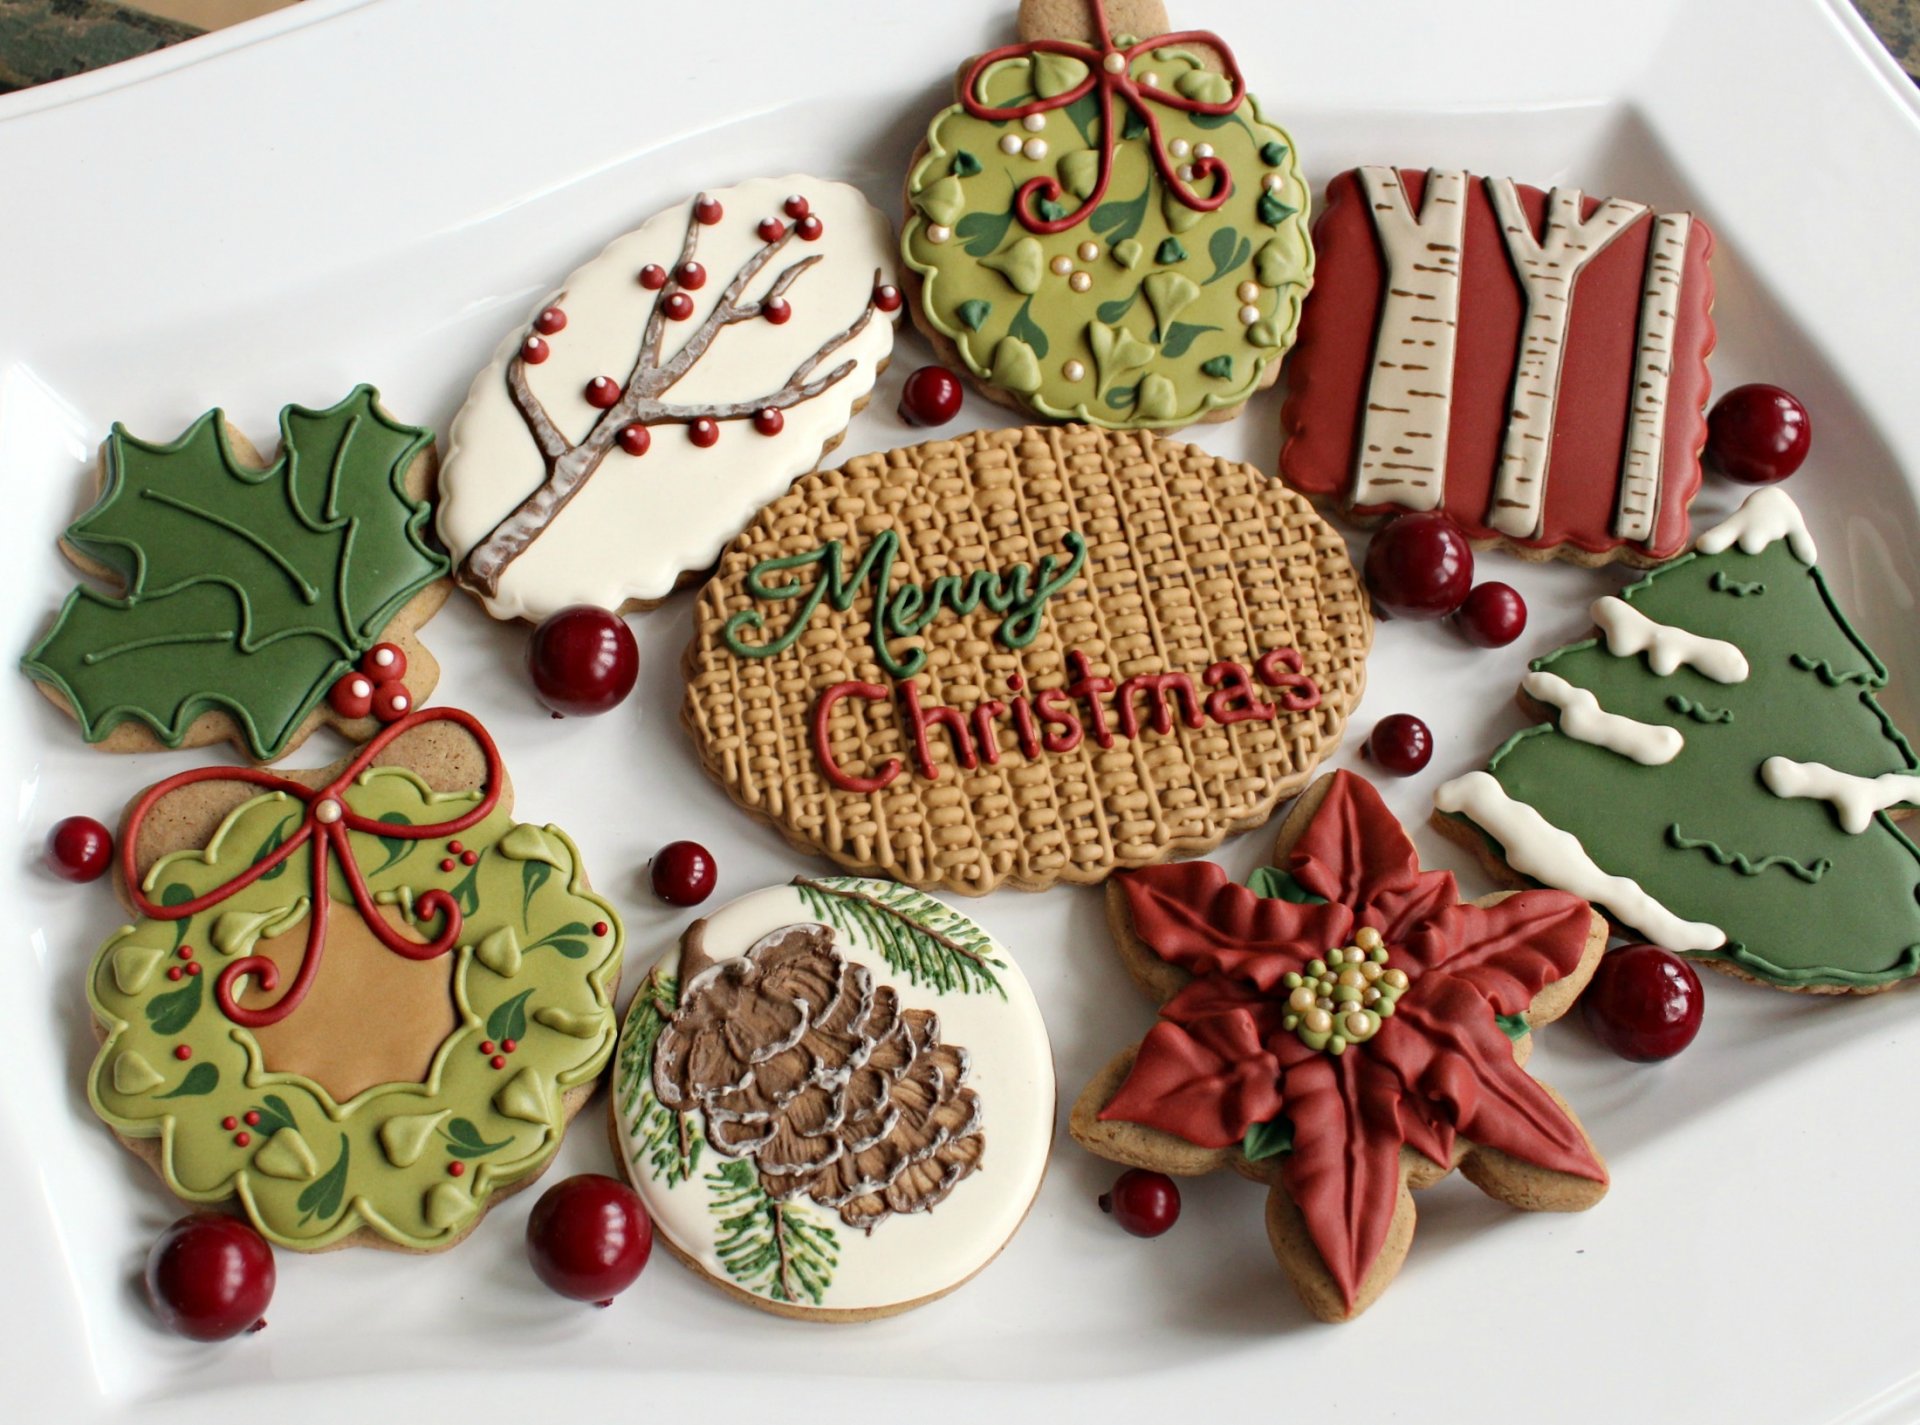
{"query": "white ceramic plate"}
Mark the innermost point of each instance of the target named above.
(358, 191)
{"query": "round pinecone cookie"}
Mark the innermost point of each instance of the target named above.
(815, 1070)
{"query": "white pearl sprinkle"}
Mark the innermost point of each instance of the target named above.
(383, 656)
(1009, 143)
(1203, 150)
(1249, 314)
(1274, 182)
(1114, 62)
(326, 811)
(937, 233)
(1061, 265)
(1178, 148)
(1249, 292)
(1033, 123)
(1080, 281)
(1186, 173)
(1089, 251)
(1036, 148)
(1073, 371)
(1150, 78)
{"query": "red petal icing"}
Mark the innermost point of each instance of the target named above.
(1192, 916)
(1355, 853)
(1208, 1084)
(1508, 952)
(1344, 1170)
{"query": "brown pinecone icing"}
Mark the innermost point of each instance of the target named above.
(800, 1063)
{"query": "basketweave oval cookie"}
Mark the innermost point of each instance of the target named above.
(685, 375)
(836, 1097)
(361, 1001)
(1025, 656)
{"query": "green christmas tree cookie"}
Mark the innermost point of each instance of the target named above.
(362, 1001)
(1109, 232)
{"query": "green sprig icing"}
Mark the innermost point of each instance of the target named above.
(671, 1141)
(776, 1250)
(917, 935)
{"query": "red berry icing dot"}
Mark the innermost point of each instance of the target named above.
(193, 969)
(796, 206)
(770, 229)
(456, 847)
(242, 1138)
(589, 1238)
(447, 864)
(599, 927)
(507, 1046)
(385, 660)
(210, 1277)
(678, 306)
(653, 277)
(634, 439)
(704, 432)
(931, 397)
(1758, 434)
(185, 952)
(709, 211)
(456, 1169)
(1142, 1202)
(691, 276)
(183, 1052)
(1644, 1003)
(486, 1046)
(352, 696)
(601, 392)
(79, 849)
(683, 873)
(533, 351)
(392, 701)
(229, 1123)
(499, 1061)
(583, 660)
(467, 858)
(887, 297)
(809, 228)
(1493, 615)
(550, 321)
(769, 422)
(174, 972)
(1420, 566)
(252, 1118)
(1400, 744)
(779, 311)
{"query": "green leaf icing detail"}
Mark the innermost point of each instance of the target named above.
(1271, 264)
(1116, 351)
(134, 966)
(965, 165)
(1273, 212)
(1799, 870)
(1722, 583)
(1056, 73)
(1128, 252)
(202, 1078)
(1699, 712)
(1182, 335)
(1169, 294)
(1204, 86)
(1022, 265)
(1112, 312)
(1277, 884)
(1220, 367)
(287, 1155)
(1122, 397)
(1273, 154)
(781, 1251)
(1228, 251)
(670, 1142)
(1268, 1140)
(1157, 397)
(1119, 221)
(1015, 366)
(509, 1020)
(1024, 329)
(1170, 252)
(918, 936)
(405, 1137)
(974, 313)
(983, 232)
(943, 202)
(132, 1074)
(246, 591)
(172, 1012)
(499, 951)
(1514, 1026)
(1079, 172)
(464, 1141)
(322, 1198)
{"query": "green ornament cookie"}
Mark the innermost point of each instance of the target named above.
(1109, 232)
(363, 1001)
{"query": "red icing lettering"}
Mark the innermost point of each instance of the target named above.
(1158, 686)
(1023, 726)
(1280, 668)
(1234, 698)
(985, 735)
(1090, 689)
(919, 719)
(823, 747)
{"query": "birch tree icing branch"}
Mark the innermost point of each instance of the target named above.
(1640, 468)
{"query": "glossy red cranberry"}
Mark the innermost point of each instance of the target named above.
(683, 873)
(589, 1238)
(391, 700)
(931, 397)
(769, 421)
(709, 211)
(634, 439)
(1142, 1202)
(1401, 744)
(1420, 566)
(1758, 434)
(1644, 1003)
(210, 1277)
(583, 660)
(79, 849)
(1492, 616)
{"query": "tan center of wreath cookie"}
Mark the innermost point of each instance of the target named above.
(1025, 656)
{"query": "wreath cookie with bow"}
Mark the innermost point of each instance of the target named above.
(1347, 1031)
(362, 1001)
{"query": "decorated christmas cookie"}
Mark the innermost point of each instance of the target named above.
(836, 1097)
(362, 1001)
(1534, 364)
(1025, 656)
(684, 376)
(257, 600)
(1104, 228)
(1345, 1031)
(1716, 772)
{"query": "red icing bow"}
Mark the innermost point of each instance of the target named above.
(1109, 70)
(327, 822)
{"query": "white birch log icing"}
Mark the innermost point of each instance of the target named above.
(1640, 469)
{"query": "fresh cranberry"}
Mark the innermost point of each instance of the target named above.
(1644, 1003)
(1400, 744)
(79, 849)
(931, 397)
(1492, 616)
(589, 1238)
(1143, 1203)
(1420, 566)
(583, 660)
(210, 1276)
(1758, 434)
(684, 873)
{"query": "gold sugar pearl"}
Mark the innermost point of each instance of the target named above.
(1358, 1026)
(1080, 281)
(1061, 265)
(1395, 978)
(1010, 144)
(1372, 996)
(1089, 251)
(1368, 939)
(1317, 1020)
(1370, 970)
(1301, 1000)
(1351, 976)
(1248, 292)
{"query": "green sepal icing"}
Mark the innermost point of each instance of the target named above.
(921, 938)
(1274, 1137)
(1218, 366)
(1514, 1026)
(565, 1030)
(780, 1251)
(671, 1142)
(965, 165)
(1276, 884)
(1170, 252)
(1268, 1140)
(245, 591)
(974, 313)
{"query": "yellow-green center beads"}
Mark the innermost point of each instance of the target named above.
(1342, 999)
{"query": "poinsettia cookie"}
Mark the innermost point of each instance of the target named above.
(1715, 771)
(363, 1002)
(1105, 228)
(258, 600)
(629, 427)
(1347, 1031)
(836, 1097)
(1532, 363)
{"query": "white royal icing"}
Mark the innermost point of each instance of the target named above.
(1855, 799)
(1535, 847)
(1628, 631)
(1582, 718)
(1641, 466)
(907, 1256)
(640, 522)
(1768, 516)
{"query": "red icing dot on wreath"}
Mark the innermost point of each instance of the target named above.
(601, 392)
(183, 1052)
(486, 1046)
(770, 229)
(229, 1123)
(455, 847)
(653, 277)
(796, 207)
(185, 952)
(194, 968)
(456, 1169)
(467, 858)
(599, 927)
(174, 972)
(550, 321)
(447, 864)
(709, 211)
(252, 1118)
(634, 439)
(691, 276)
(778, 311)
(385, 660)
(704, 432)
(678, 307)
(352, 696)
(809, 228)
(507, 1046)
(887, 297)
(242, 1139)
(392, 701)
(769, 422)
(499, 1061)
(533, 351)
